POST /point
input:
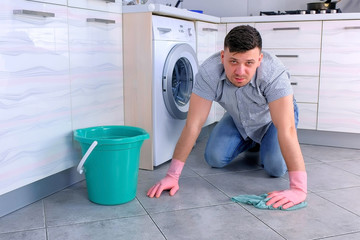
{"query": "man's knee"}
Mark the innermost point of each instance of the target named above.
(213, 160)
(275, 171)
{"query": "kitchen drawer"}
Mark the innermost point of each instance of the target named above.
(290, 34)
(305, 62)
(230, 26)
(341, 35)
(307, 116)
(305, 88)
(100, 5)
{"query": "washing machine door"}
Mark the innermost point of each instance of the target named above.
(178, 78)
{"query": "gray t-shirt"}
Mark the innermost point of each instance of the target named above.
(247, 105)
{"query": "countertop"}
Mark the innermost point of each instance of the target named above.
(160, 9)
(282, 18)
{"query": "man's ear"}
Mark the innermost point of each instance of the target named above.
(260, 58)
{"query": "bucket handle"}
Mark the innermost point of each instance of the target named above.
(86, 155)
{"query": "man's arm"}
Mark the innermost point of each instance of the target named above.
(282, 114)
(198, 112)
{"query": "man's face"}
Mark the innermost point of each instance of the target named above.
(241, 67)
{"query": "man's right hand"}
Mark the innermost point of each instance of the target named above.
(167, 183)
(170, 181)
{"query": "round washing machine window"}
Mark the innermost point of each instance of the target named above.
(178, 78)
(182, 79)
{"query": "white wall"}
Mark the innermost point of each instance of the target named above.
(236, 8)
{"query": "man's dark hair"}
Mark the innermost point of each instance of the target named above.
(243, 38)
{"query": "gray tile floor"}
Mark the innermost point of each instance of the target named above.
(202, 209)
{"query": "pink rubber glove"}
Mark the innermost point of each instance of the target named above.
(295, 195)
(170, 181)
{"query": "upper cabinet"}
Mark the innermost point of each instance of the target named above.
(100, 5)
(339, 102)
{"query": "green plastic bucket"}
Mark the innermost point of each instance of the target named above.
(110, 162)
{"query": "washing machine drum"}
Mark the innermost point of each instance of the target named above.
(178, 78)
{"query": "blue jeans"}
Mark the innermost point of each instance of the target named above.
(225, 143)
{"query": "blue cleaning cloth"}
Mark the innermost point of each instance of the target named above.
(260, 202)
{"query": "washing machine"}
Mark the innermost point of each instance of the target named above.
(174, 67)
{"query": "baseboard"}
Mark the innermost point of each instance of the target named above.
(332, 139)
(33, 192)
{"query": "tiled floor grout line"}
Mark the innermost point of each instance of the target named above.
(45, 222)
(149, 215)
(244, 207)
(328, 237)
(95, 221)
(336, 203)
(192, 208)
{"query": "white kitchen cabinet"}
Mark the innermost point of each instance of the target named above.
(305, 88)
(300, 62)
(95, 45)
(339, 98)
(100, 5)
(35, 111)
(307, 115)
(210, 39)
(301, 55)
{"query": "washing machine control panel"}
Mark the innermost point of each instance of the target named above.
(171, 29)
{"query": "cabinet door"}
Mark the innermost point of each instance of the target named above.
(305, 88)
(339, 98)
(210, 39)
(301, 34)
(101, 5)
(95, 43)
(307, 115)
(35, 114)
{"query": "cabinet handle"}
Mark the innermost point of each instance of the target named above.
(287, 28)
(355, 27)
(109, 1)
(33, 13)
(293, 83)
(210, 29)
(165, 30)
(287, 56)
(99, 20)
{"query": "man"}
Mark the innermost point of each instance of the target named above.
(254, 88)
